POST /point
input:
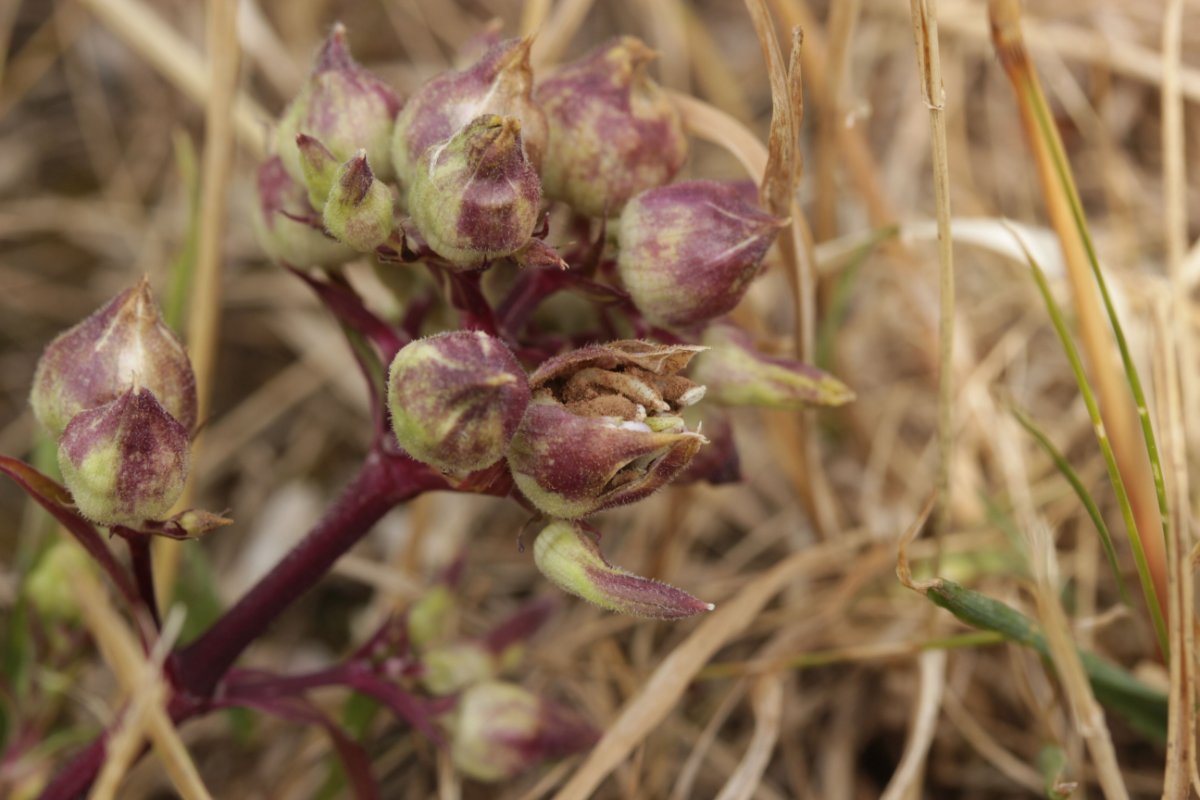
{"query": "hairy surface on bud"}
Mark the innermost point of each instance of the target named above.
(604, 428)
(286, 224)
(359, 210)
(476, 197)
(93, 363)
(125, 461)
(613, 133)
(500, 82)
(688, 251)
(571, 560)
(320, 169)
(344, 106)
(738, 375)
(456, 399)
(500, 730)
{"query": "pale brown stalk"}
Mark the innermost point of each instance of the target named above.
(204, 309)
(1120, 419)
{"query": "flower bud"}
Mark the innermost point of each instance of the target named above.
(613, 132)
(48, 585)
(452, 667)
(500, 82)
(476, 197)
(123, 343)
(571, 559)
(432, 617)
(124, 461)
(500, 730)
(359, 210)
(320, 169)
(603, 429)
(688, 251)
(456, 399)
(288, 228)
(738, 375)
(342, 105)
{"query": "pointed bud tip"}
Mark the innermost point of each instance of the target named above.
(335, 52)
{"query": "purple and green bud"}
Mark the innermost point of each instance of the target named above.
(320, 169)
(738, 375)
(456, 399)
(500, 730)
(476, 197)
(500, 82)
(689, 251)
(604, 428)
(289, 229)
(126, 461)
(359, 209)
(570, 558)
(344, 106)
(613, 132)
(122, 344)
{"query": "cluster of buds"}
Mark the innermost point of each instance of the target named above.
(117, 392)
(496, 728)
(476, 157)
(474, 153)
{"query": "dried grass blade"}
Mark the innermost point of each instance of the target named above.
(767, 700)
(117, 645)
(1064, 467)
(663, 689)
(931, 667)
(1181, 734)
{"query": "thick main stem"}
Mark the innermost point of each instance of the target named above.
(382, 483)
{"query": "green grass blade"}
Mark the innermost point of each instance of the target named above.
(1144, 708)
(1068, 472)
(839, 303)
(1110, 461)
(1063, 172)
(183, 267)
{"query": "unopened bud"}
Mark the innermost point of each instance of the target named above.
(359, 210)
(344, 106)
(456, 399)
(431, 617)
(500, 82)
(476, 197)
(688, 251)
(125, 461)
(738, 375)
(613, 132)
(320, 169)
(452, 667)
(570, 558)
(49, 584)
(501, 730)
(93, 363)
(289, 229)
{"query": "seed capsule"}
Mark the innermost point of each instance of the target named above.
(613, 133)
(500, 82)
(456, 399)
(126, 461)
(93, 363)
(342, 105)
(689, 251)
(476, 197)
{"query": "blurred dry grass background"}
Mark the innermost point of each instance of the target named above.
(97, 155)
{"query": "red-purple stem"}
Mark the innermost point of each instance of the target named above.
(383, 482)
